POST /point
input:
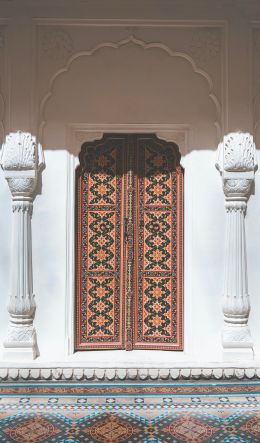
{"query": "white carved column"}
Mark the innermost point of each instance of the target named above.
(237, 165)
(21, 161)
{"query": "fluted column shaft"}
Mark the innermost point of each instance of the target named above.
(21, 306)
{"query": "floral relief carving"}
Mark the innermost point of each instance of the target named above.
(21, 185)
(56, 44)
(237, 186)
(239, 153)
(19, 152)
(205, 44)
(21, 335)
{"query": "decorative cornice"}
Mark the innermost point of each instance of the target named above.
(123, 374)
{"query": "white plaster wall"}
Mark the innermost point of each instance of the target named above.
(203, 271)
(204, 225)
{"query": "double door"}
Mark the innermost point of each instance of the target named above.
(129, 244)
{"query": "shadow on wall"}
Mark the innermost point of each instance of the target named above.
(130, 84)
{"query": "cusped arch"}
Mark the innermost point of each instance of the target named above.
(144, 45)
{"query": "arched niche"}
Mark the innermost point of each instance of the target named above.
(130, 83)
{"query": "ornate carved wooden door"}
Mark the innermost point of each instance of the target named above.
(129, 244)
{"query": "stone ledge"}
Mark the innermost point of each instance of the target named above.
(130, 374)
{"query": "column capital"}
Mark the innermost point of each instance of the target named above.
(237, 163)
(21, 160)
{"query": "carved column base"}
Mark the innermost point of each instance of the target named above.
(20, 344)
(237, 343)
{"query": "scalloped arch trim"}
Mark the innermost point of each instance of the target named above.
(113, 45)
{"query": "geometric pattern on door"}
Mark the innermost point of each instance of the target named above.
(129, 244)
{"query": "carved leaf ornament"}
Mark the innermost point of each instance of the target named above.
(239, 155)
(19, 152)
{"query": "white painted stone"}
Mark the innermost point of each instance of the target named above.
(153, 373)
(46, 373)
(164, 374)
(196, 373)
(228, 372)
(207, 373)
(3, 373)
(143, 374)
(218, 373)
(250, 373)
(240, 373)
(35, 373)
(100, 373)
(175, 373)
(13, 373)
(57, 373)
(121, 373)
(78, 373)
(132, 373)
(67, 373)
(237, 165)
(185, 373)
(24, 373)
(21, 161)
(111, 374)
(89, 373)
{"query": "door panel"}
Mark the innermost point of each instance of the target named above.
(100, 303)
(158, 314)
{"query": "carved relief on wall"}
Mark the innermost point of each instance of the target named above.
(205, 44)
(56, 44)
(67, 54)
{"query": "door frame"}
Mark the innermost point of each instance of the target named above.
(77, 134)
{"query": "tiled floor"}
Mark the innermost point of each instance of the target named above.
(190, 413)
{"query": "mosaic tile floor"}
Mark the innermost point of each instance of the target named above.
(146, 413)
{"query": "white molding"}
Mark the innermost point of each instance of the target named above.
(84, 22)
(79, 373)
(72, 163)
(78, 133)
